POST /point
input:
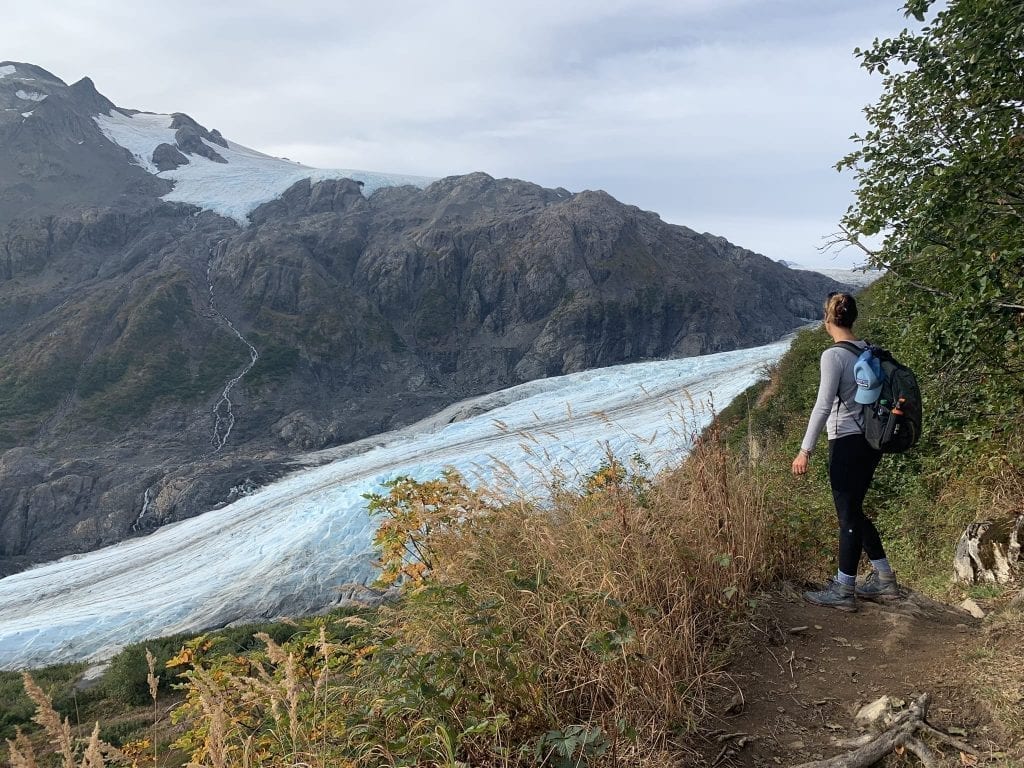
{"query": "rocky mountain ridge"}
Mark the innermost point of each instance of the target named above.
(158, 359)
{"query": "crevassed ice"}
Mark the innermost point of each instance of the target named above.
(289, 547)
(233, 189)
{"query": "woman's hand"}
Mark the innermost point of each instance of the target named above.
(800, 462)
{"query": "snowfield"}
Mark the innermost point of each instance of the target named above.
(859, 278)
(291, 547)
(233, 189)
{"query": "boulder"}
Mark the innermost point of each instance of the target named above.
(190, 141)
(166, 157)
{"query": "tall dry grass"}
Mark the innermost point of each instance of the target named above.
(621, 595)
(94, 752)
(267, 710)
(587, 631)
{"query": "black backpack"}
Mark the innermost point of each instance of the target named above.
(892, 424)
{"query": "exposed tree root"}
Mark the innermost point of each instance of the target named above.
(904, 731)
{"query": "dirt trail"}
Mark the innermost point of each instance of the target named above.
(805, 671)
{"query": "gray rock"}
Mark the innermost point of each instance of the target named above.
(1017, 604)
(972, 608)
(181, 120)
(190, 141)
(299, 431)
(60, 161)
(216, 138)
(872, 713)
(92, 677)
(166, 157)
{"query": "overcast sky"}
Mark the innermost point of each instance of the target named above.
(723, 115)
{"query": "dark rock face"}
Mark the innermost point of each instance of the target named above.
(166, 157)
(365, 314)
(190, 141)
(216, 138)
(188, 132)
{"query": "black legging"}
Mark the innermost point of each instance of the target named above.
(851, 465)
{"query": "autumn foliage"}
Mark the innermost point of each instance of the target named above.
(583, 631)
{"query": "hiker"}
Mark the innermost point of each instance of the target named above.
(851, 463)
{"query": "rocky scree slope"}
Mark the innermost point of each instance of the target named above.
(157, 360)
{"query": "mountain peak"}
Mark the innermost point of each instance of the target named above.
(22, 86)
(86, 149)
(19, 70)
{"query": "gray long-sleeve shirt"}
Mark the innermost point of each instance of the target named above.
(835, 407)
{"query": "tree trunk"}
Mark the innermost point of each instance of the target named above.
(990, 552)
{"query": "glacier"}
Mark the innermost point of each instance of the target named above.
(291, 547)
(233, 189)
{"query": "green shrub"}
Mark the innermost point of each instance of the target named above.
(119, 734)
(125, 680)
(58, 682)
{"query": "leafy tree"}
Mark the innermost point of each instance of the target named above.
(940, 175)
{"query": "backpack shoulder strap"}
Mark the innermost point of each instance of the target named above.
(851, 347)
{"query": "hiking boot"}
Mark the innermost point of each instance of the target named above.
(879, 586)
(835, 595)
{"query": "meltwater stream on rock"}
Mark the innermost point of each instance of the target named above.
(288, 548)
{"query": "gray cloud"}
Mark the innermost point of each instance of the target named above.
(729, 112)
